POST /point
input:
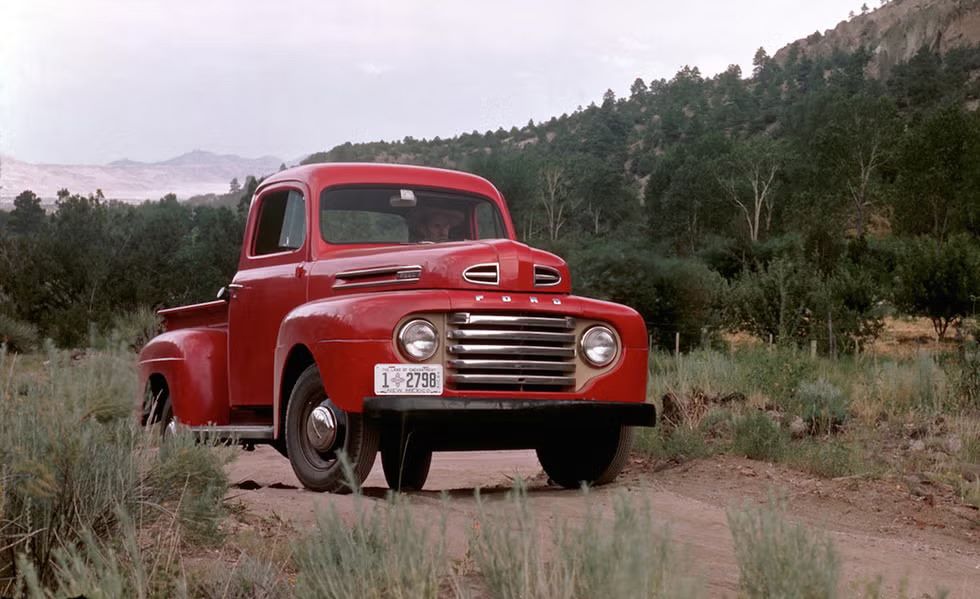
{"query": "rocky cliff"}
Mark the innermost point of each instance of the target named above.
(895, 31)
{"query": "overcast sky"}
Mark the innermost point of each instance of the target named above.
(90, 81)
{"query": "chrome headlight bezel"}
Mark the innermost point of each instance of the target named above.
(412, 345)
(593, 340)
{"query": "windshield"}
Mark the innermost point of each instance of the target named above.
(399, 215)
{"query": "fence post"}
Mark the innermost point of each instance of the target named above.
(813, 348)
(677, 344)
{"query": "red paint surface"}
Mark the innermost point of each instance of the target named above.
(223, 355)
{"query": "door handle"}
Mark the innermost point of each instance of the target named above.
(235, 286)
(300, 271)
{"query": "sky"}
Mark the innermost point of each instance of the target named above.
(92, 81)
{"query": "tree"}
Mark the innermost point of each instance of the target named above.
(554, 199)
(27, 217)
(864, 9)
(939, 281)
(638, 89)
(760, 61)
(748, 178)
(853, 145)
(939, 173)
(234, 186)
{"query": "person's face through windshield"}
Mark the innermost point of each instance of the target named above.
(436, 226)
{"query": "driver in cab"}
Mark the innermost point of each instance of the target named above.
(435, 224)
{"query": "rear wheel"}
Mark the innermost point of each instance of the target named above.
(406, 462)
(317, 431)
(590, 456)
(160, 412)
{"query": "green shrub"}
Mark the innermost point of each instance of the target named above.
(118, 567)
(72, 459)
(678, 444)
(622, 556)
(939, 280)
(384, 553)
(757, 437)
(826, 459)
(822, 405)
(191, 475)
(778, 559)
(775, 373)
(18, 336)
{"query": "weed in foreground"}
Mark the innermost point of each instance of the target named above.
(619, 556)
(385, 552)
(780, 559)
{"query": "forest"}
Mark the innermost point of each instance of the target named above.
(803, 202)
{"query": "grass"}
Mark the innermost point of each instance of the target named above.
(74, 464)
(781, 559)
(385, 552)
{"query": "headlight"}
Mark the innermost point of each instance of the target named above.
(599, 346)
(419, 340)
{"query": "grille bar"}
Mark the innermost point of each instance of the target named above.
(513, 350)
(492, 335)
(529, 365)
(555, 322)
(513, 379)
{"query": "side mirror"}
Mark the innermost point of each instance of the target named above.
(223, 294)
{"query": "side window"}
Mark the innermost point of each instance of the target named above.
(282, 223)
(488, 222)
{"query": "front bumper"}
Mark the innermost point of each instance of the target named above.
(461, 424)
(435, 410)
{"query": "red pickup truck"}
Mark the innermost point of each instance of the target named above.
(388, 307)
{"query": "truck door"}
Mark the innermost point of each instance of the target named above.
(271, 281)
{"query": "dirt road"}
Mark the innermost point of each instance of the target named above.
(877, 526)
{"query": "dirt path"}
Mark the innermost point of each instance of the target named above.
(878, 528)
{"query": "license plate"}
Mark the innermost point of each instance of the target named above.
(408, 379)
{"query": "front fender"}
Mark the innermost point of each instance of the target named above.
(194, 364)
(362, 324)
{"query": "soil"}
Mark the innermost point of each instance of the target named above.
(914, 539)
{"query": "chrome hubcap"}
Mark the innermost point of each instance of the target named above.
(321, 428)
(171, 430)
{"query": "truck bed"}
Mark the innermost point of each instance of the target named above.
(209, 314)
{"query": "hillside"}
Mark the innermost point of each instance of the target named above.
(191, 173)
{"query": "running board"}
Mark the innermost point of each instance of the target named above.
(245, 432)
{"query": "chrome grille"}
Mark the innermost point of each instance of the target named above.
(545, 276)
(510, 352)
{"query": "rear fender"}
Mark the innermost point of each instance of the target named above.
(194, 364)
(336, 331)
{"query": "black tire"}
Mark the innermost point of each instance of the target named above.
(405, 462)
(357, 437)
(591, 456)
(161, 411)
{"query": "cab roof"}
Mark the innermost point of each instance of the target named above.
(319, 176)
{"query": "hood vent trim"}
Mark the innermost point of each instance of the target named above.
(546, 276)
(384, 275)
(483, 274)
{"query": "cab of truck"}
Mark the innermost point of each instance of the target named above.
(390, 308)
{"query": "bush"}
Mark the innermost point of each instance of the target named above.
(822, 405)
(673, 295)
(679, 444)
(939, 280)
(780, 559)
(625, 556)
(385, 553)
(16, 335)
(826, 459)
(757, 437)
(72, 459)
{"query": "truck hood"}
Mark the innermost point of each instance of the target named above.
(490, 265)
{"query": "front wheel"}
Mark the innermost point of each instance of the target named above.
(593, 456)
(317, 431)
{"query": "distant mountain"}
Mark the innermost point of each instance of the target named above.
(895, 32)
(193, 173)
